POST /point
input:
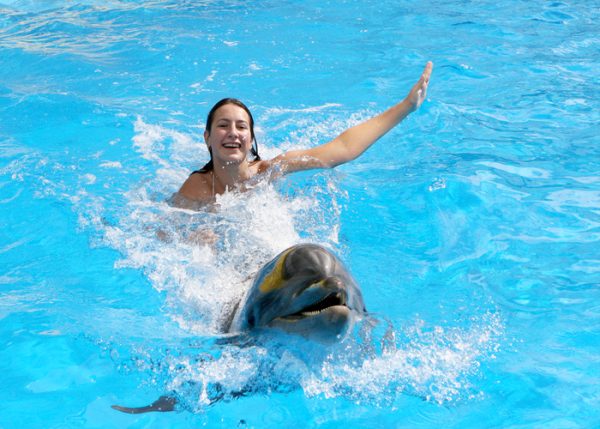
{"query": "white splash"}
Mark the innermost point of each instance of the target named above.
(435, 364)
(204, 260)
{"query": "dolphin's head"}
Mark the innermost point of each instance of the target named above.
(304, 290)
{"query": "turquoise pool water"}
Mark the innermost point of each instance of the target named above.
(473, 228)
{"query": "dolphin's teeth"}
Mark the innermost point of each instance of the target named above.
(311, 313)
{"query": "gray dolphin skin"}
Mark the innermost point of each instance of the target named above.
(305, 290)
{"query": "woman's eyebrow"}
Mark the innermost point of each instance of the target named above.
(238, 121)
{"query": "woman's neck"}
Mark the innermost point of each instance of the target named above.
(229, 176)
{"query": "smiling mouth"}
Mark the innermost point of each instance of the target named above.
(232, 145)
(329, 302)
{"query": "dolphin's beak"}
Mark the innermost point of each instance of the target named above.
(318, 297)
(322, 312)
(326, 326)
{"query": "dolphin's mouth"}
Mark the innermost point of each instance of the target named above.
(329, 302)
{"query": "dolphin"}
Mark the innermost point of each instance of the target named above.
(305, 290)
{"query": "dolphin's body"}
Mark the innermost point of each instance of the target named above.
(304, 290)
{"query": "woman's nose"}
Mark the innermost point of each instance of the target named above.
(232, 131)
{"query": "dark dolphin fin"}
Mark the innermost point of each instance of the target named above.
(162, 404)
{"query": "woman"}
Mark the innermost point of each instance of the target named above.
(229, 136)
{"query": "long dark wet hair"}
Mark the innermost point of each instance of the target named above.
(209, 120)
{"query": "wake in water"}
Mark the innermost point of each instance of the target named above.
(376, 364)
(203, 262)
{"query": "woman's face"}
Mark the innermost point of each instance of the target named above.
(229, 138)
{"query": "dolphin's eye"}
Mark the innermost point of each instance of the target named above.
(251, 321)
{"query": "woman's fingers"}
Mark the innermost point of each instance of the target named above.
(420, 89)
(427, 72)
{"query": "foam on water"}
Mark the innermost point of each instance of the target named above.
(435, 363)
(203, 262)
(377, 364)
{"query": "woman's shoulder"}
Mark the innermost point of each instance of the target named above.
(197, 187)
(262, 165)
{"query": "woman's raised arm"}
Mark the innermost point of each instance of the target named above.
(356, 140)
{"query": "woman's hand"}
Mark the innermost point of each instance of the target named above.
(417, 94)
